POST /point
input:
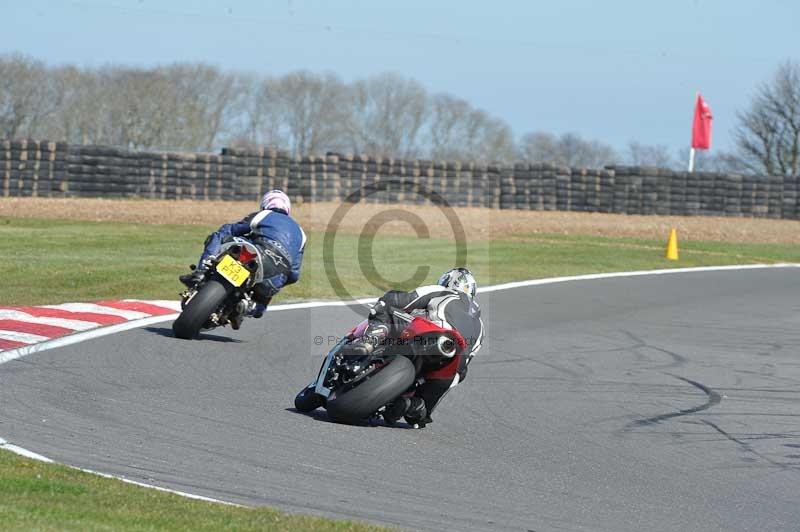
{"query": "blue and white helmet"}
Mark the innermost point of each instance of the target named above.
(459, 279)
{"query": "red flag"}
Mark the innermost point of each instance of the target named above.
(701, 127)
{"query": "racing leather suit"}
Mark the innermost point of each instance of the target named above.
(281, 240)
(450, 309)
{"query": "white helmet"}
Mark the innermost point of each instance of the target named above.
(459, 279)
(276, 199)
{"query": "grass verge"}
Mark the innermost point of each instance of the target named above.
(44, 497)
(54, 261)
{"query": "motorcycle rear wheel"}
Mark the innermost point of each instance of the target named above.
(199, 308)
(376, 390)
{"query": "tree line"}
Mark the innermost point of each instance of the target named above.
(198, 107)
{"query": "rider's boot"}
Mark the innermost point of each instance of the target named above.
(413, 408)
(260, 307)
(243, 308)
(396, 409)
(258, 310)
(191, 279)
(262, 297)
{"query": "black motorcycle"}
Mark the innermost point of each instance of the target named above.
(354, 389)
(224, 293)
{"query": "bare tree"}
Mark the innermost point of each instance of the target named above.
(23, 95)
(649, 155)
(492, 139)
(302, 109)
(204, 102)
(448, 126)
(386, 114)
(707, 161)
(180, 106)
(568, 150)
(195, 106)
(456, 130)
(580, 153)
(768, 134)
(70, 83)
(81, 106)
(539, 147)
(140, 103)
(572, 149)
(259, 120)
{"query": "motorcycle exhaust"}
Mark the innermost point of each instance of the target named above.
(446, 346)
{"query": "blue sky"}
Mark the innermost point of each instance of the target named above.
(614, 71)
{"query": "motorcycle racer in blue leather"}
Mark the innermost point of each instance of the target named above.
(279, 237)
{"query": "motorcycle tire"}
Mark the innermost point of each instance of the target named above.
(198, 309)
(375, 391)
(307, 400)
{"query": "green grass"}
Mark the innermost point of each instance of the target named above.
(39, 496)
(47, 261)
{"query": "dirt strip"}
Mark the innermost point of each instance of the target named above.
(477, 223)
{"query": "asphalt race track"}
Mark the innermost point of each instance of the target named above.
(626, 404)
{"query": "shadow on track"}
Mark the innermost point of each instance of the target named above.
(163, 331)
(321, 415)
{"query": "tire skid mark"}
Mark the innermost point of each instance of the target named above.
(747, 447)
(677, 359)
(713, 399)
(556, 367)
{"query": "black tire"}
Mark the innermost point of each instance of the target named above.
(307, 400)
(377, 390)
(198, 309)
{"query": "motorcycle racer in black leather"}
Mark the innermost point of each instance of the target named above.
(449, 304)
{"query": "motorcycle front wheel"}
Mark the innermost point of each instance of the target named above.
(199, 308)
(307, 400)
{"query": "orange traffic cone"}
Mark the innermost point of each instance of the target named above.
(672, 245)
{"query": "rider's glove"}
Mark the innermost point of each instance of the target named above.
(375, 335)
(376, 308)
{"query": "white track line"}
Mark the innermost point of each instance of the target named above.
(99, 309)
(154, 487)
(13, 354)
(36, 456)
(26, 338)
(61, 341)
(319, 304)
(23, 452)
(670, 271)
(103, 331)
(75, 325)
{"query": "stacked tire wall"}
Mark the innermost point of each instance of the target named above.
(41, 168)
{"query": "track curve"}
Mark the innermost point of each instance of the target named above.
(642, 403)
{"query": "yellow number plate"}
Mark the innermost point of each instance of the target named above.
(232, 270)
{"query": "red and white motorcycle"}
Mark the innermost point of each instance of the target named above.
(354, 389)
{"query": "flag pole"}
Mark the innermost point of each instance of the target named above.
(691, 150)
